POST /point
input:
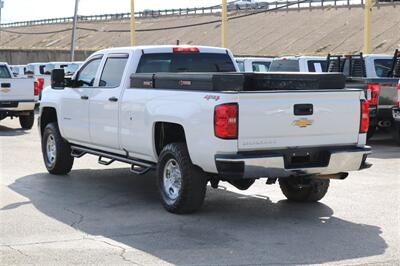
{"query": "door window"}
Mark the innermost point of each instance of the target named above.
(4, 73)
(113, 71)
(87, 75)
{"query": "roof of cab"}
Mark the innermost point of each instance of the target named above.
(159, 47)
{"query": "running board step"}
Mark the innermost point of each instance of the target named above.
(138, 166)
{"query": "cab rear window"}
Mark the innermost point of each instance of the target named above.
(285, 65)
(185, 62)
(383, 67)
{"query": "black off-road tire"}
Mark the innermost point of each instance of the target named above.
(309, 190)
(63, 162)
(193, 181)
(27, 121)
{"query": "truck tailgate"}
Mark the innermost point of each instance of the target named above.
(273, 120)
(17, 89)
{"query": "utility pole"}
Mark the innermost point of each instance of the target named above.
(73, 40)
(224, 26)
(133, 24)
(368, 26)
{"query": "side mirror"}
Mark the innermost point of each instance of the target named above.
(58, 79)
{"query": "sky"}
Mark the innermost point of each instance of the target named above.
(21, 10)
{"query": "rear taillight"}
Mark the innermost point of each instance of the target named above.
(374, 90)
(364, 123)
(398, 95)
(39, 84)
(226, 121)
(184, 49)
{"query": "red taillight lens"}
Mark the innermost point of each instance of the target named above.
(364, 123)
(374, 90)
(186, 50)
(226, 121)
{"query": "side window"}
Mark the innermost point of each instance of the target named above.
(240, 65)
(87, 75)
(113, 71)
(261, 66)
(317, 66)
(4, 73)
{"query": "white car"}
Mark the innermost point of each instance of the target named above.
(299, 64)
(254, 64)
(136, 105)
(17, 97)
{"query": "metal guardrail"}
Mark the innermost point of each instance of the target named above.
(193, 11)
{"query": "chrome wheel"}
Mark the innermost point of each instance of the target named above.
(51, 149)
(172, 179)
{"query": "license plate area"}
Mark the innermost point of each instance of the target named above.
(306, 159)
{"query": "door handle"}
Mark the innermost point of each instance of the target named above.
(84, 97)
(6, 85)
(113, 99)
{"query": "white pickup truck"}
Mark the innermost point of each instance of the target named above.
(17, 97)
(136, 105)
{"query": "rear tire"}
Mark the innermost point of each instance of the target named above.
(27, 121)
(56, 151)
(182, 185)
(304, 190)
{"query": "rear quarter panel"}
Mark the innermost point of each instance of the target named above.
(192, 110)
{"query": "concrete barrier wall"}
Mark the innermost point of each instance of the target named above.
(292, 32)
(25, 56)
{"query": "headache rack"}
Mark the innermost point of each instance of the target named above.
(395, 69)
(349, 65)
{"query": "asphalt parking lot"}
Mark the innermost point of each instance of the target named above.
(106, 215)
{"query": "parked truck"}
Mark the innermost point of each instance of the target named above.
(378, 76)
(17, 97)
(254, 64)
(186, 113)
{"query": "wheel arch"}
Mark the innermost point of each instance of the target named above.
(48, 115)
(165, 133)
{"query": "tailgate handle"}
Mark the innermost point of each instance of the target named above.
(303, 109)
(6, 85)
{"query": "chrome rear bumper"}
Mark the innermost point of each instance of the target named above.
(278, 164)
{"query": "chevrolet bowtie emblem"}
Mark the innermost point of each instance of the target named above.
(302, 122)
(5, 90)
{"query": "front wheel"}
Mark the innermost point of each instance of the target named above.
(27, 121)
(182, 185)
(304, 190)
(56, 151)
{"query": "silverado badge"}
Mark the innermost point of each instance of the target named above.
(304, 122)
(5, 90)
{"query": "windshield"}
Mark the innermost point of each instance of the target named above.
(185, 62)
